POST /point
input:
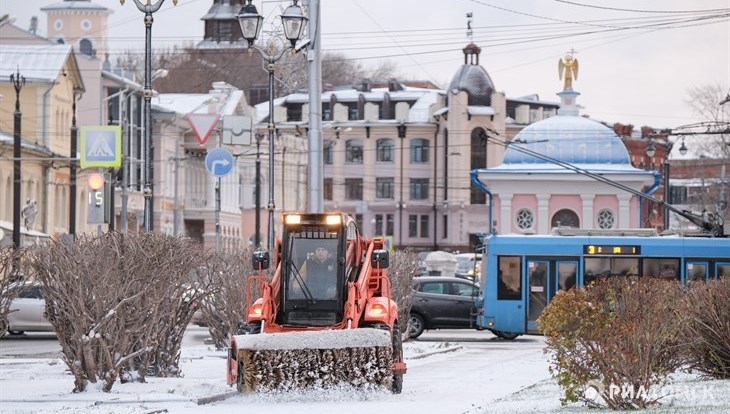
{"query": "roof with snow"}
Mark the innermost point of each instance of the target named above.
(423, 98)
(76, 5)
(39, 63)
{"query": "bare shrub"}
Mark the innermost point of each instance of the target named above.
(404, 266)
(225, 306)
(8, 255)
(618, 336)
(119, 303)
(707, 330)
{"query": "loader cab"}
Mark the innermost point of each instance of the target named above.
(313, 269)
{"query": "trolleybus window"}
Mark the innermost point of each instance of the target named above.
(723, 270)
(696, 271)
(610, 266)
(566, 275)
(661, 268)
(509, 283)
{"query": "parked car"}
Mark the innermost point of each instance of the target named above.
(26, 310)
(469, 266)
(442, 302)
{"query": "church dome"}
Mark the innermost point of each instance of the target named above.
(475, 81)
(571, 139)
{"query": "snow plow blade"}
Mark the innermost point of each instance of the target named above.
(312, 359)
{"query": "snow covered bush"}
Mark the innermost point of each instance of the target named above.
(707, 330)
(403, 268)
(119, 304)
(615, 342)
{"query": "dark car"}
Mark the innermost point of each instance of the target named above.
(442, 302)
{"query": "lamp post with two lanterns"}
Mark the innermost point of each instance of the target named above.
(293, 22)
(148, 8)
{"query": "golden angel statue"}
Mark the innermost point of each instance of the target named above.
(570, 66)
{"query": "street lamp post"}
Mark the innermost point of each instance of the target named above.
(148, 9)
(293, 22)
(18, 83)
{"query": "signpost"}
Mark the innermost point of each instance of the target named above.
(219, 162)
(202, 124)
(101, 146)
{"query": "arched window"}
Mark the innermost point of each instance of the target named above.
(565, 218)
(384, 150)
(419, 150)
(353, 151)
(478, 160)
(86, 48)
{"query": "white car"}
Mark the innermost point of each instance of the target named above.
(26, 310)
(469, 266)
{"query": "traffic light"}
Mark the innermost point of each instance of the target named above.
(95, 205)
(95, 181)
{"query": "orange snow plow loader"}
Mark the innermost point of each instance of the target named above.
(326, 317)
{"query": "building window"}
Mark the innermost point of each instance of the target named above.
(353, 188)
(445, 226)
(327, 190)
(412, 225)
(677, 195)
(384, 150)
(425, 221)
(58, 24)
(328, 152)
(565, 218)
(606, 219)
(86, 25)
(86, 48)
(353, 151)
(384, 187)
(418, 188)
(414, 230)
(294, 112)
(358, 220)
(353, 113)
(378, 224)
(525, 219)
(389, 224)
(419, 150)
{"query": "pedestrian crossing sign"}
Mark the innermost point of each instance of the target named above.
(101, 146)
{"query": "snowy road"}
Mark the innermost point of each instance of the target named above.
(481, 369)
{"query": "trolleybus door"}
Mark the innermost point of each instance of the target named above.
(696, 270)
(538, 281)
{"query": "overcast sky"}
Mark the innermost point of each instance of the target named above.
(628, 75)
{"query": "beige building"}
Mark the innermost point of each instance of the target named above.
(52, 78)
(398, 156)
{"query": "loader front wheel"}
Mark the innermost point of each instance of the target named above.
(397, 386)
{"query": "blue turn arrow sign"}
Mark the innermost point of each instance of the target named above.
(219, 162)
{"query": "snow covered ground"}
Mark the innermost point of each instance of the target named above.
(476, 373)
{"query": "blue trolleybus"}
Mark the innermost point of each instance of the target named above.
(524, 272)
